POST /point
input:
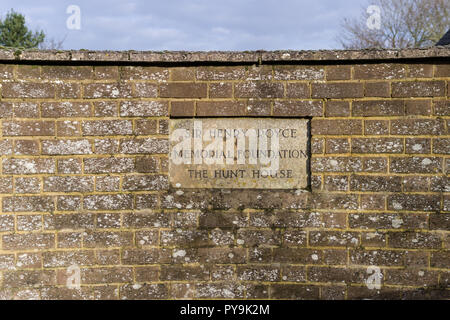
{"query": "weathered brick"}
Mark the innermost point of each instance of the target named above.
(420, 70)
(336, 127)
(28, 241)
(68, 184)
(29, 278)
(66, 147)
(418, 89)
(68, 128)
(105, 108)
(27, 185)
(291, 108)
(299, 73)
(144, 292)
(415, 184)
(418, 107)
(377, 89)
(68, 203)
(297, 255)
(144, 108)
(106, 72)
(145, 90)
(69, 221)
(220, 73)
(65, 109)
(28, 128)
(380, 71)
(373, 202)
(108, 202)
(414, 240)
(6, 185)
(297, 90)
(27, 204)
(258, 273)
(182, 74)
(69, 165)
(336, 183)
(377, 108)
(336, 108)
(146, 201)
(441, 108)
(106, 146)
(26, 110)
(145, 256)
(418, 127)
(220, 108)
(440, 259)
(377, 145)
(145, 182)
(183, 90)
(6, 223)
(190, 238)
(30, 90)
(336, 164)
(413, 202)
(334, 239)
(339, 72)
(259, 89)
(182, 108)
(148, 145)
(442, 70)
(107, 184)
(66, 72)
(67, 258)
(376, 127)
(107, 127)
(294, 292)
(144, 73)
(387, 221)
(67, 90)
(95, 239)
(416, 165)
(29, 222)
(417, 145)
(337, 90)
(249, 238)
(441, 146)
(257, 107)
(177, 273)
(339, 275)
(107, 90)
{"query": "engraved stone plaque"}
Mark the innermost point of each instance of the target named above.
(256, 153)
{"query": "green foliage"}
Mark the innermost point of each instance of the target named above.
(14, 32)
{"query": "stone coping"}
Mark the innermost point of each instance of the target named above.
(187, 57)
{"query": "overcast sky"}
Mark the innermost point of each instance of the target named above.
(191, 24)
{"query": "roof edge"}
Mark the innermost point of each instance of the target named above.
(221, 56)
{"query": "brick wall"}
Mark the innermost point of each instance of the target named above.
(84, 176)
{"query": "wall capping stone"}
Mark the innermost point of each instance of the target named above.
(260, 56)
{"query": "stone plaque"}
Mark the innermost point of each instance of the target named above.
(257, 153)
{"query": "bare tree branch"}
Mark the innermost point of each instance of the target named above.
(404, 24)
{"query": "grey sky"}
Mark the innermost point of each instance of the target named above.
(191, 24)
